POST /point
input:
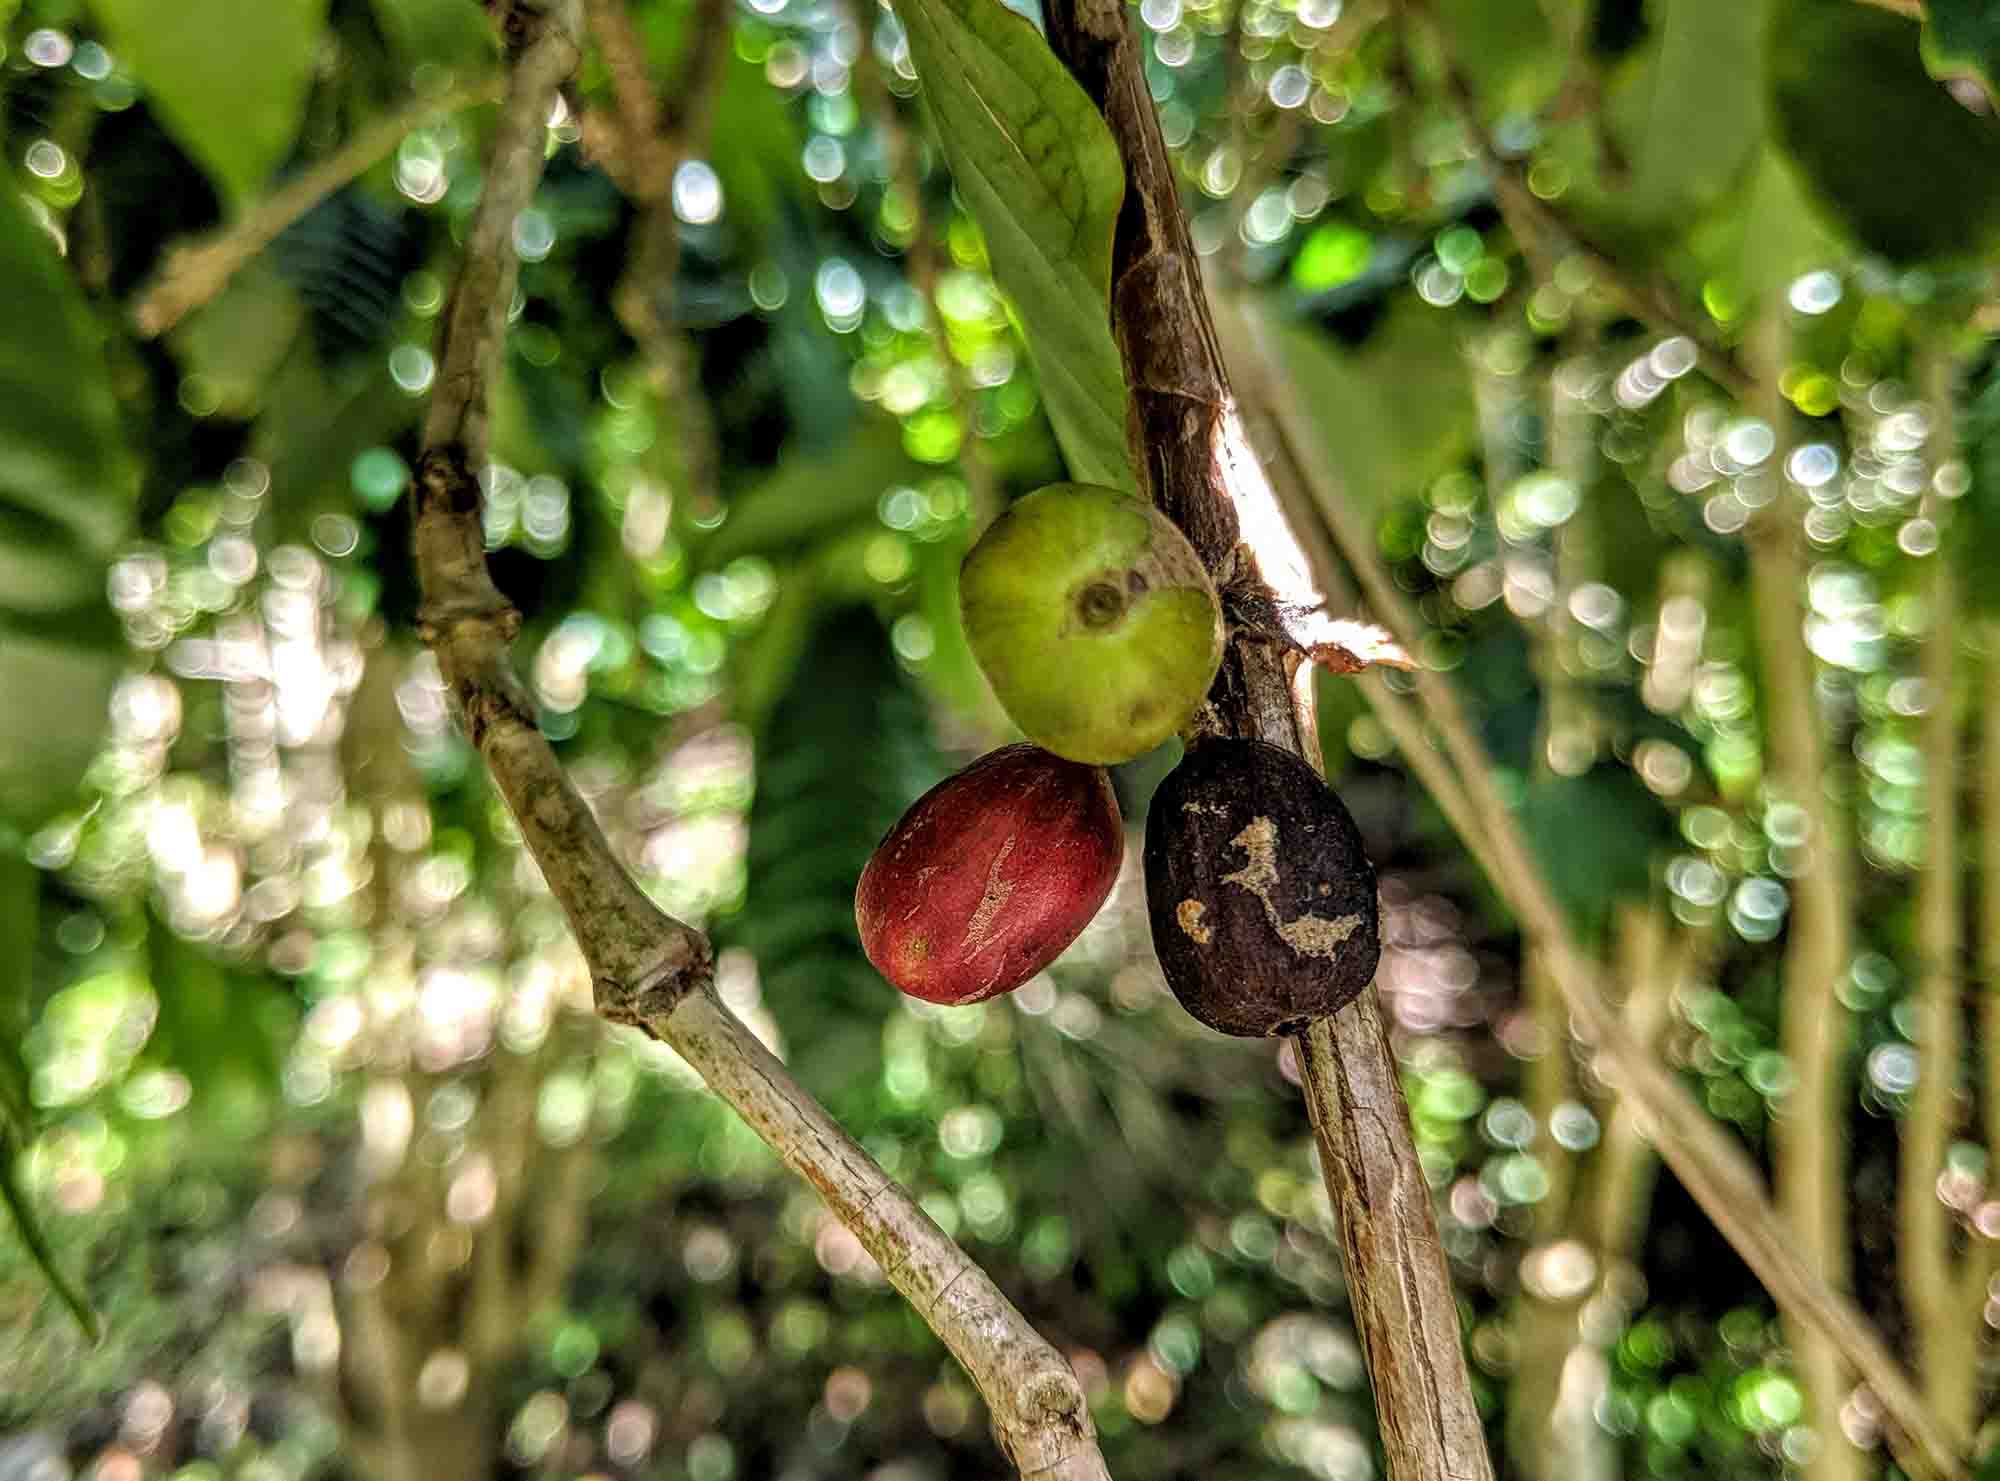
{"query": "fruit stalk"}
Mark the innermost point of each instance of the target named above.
(1194, 463)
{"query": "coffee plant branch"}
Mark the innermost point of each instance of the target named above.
(649, 970)
(195, 272)
(1191, 456)
(1398, 714)
(1712, 1167)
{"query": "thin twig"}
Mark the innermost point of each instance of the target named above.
(1988, 828)
(1191, 455)
(194, 272)
(1809, 1145)
(1547, 1332)
(1943, 1291)
(649, 970)
(647, 166)
(1913, 9)
(657, 139)
(1654, 960)
(1581, 91)
(1707, 1161)
(1535, 223)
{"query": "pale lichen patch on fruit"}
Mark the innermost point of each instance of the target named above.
(1309, 935)
(990, 903)
(1314, 935)
(1189, 914)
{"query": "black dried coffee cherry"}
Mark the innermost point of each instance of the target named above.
(1261, 897)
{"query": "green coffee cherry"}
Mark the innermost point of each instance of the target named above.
(1094, 621)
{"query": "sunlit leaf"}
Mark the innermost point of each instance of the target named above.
(1037, 166)
(1333, 254)
(190, 56)
(1692, 114)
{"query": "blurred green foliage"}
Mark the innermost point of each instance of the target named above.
(279, 990)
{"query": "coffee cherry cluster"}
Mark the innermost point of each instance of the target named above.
(1100, 632)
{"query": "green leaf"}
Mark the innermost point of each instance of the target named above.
(1384, 437)
(815, 492)
(1595, 835)
(20, 902)
(40, 1250)
(238, 341)
(227, 79)
(441, 33)
(1506, 51)
(20, 905)
(1693, 112)
(215, 1022)
(1988, 1466)
(55, 686)
(1040, 173)
(1911, 172)
(754, 147)
(62, 453)
(65, 500)
(1962, 39)
(763, 665)
(1975, 524)
(950, 671)
(1781, 234)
